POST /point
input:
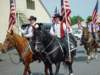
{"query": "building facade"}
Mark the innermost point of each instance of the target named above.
(24, 9)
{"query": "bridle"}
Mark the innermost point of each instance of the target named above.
(38, 42)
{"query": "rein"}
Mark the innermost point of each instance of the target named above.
(28, 47)
(48, 45)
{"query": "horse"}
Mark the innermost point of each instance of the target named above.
(90, 44)
(51, 50)
(23, 48)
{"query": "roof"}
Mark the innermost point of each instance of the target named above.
(45, 8)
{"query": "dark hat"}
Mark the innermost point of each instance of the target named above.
(32, 18)
(58, 16)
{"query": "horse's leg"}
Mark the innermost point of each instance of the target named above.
(70, 67)
(88, 54)
(57, 68)
(95, 53)
(46, 69)
(29, 70)
(25, 70)
(50, 69)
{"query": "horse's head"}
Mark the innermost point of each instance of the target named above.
(9, 40)
(38, 39)
(85, 33)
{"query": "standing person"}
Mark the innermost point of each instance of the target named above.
(27, 32)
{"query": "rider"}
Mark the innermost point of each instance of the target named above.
(28, 31)
(57, 26)
(59, 29)
(92, 29)
(98, 30)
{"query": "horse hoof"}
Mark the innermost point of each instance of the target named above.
(96, 57)
(71, 74)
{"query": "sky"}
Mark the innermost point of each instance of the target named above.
(82, 8)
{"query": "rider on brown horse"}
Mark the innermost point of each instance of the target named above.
(27, 32)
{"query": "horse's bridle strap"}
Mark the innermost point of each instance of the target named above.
(48, 44)
(28, 47)
(53, 50)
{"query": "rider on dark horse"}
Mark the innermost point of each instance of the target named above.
(59, 30)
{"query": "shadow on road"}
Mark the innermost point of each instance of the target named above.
(80, 59)
(42, 74)
(80, 52)
(1, 60)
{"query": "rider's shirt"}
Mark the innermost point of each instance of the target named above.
(28, 31)
(97, 27)
(91, 27)
(56, 29)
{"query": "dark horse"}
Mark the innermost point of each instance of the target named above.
(51, 50)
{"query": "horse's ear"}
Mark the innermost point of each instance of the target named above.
(10, 32)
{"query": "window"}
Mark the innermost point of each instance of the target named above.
(30, 4)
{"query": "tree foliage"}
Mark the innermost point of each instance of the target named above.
(74, 19)
(89, 18)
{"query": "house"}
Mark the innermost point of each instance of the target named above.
(24, 9)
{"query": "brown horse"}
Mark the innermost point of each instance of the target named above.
(23, 48)
(2, 48)
(90, 44)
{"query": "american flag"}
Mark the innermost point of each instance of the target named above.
(12, 15)
(65, 12)
(94, 14)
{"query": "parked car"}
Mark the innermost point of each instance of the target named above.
(77, 34)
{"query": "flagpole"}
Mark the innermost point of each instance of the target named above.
(69, 50)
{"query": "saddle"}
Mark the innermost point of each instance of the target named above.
(64, 44)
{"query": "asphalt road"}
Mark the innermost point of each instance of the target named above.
(80, 66)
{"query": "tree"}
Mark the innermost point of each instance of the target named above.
(89, 18)
(74, 19)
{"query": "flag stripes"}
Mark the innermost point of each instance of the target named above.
(94, 14)
(65, 12)
(12, 15)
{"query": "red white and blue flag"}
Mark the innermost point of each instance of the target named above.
(95, 12)
(12, 15)
(65, 12)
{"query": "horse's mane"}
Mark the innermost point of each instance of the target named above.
(18, 37)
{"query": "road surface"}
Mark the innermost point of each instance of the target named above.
(80, 66)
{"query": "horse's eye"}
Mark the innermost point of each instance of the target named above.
(7, 39)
